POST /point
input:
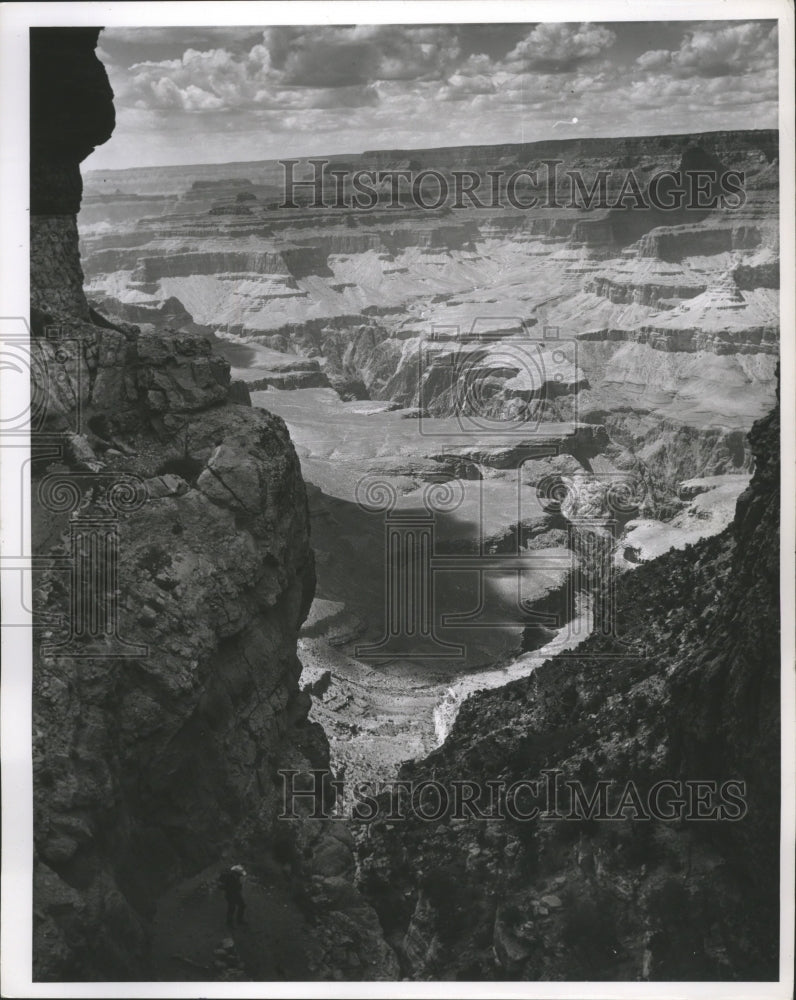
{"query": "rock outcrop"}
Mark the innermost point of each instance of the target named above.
(175, 522)
(71, 112)
(686, 689)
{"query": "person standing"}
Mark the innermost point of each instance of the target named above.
(231, 881)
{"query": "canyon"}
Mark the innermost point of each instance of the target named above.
(508, 353)
(293, 416)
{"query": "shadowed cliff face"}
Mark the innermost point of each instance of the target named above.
(687, 690)
(629, 224)
(157, 734)
(165, 681)
(71, 113)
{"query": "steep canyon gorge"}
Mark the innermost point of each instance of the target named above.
(249, 398)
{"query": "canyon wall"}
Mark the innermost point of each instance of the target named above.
(684, 689)
(629, 346)
(573, 149)
(173, 529)
(668, 319)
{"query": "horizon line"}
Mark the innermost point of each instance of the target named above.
(421, 149)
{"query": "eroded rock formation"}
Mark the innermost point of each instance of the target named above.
(153, 767)
(687, 689)
(165, 702)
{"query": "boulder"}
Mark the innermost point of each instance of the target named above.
(510, 949)
(231, 480)
(178, 372)
(552, 901)
(165, 486)
(239, 393)
(332, 857)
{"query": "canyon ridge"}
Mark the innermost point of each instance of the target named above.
(562, 422)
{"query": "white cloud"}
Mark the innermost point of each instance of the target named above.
(295, 67)
(561, 47)
(717, 50)
(311, 89)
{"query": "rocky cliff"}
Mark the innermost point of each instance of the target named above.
(686, 689)
(172, 521)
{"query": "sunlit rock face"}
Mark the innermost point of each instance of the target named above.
(663, 315)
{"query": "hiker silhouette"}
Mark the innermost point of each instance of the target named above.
(231, 881)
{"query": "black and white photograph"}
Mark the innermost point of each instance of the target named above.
(397, 457)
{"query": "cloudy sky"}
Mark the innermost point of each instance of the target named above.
(212, 95)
